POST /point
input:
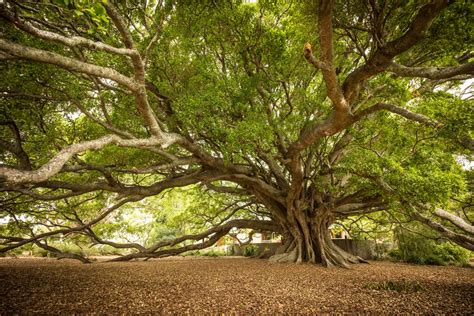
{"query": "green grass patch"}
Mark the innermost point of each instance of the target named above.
(397, 286)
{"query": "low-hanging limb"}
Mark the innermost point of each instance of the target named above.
(466, 241)
(100, 241)
(61, 254)
(165, 248)
(460, 239)
(455, 220)
(18, 242)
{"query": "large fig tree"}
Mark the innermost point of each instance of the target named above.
(294, 115)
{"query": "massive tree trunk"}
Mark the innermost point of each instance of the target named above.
(308, 239)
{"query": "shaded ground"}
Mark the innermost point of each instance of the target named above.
(225, 286)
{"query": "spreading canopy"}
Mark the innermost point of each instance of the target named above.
(293, 115)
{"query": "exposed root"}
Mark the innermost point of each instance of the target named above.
(326, 252)
(286, 257)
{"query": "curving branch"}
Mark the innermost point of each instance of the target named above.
(464, 139)
(61, 254)
(16, 147)
(39, 55)
(89, 232)
(455, 220)
(434, 73)
(341, 117)
(13, 176)
(460, 239)
(325, 31)
(383, 56)
(71, 41)
(107, 124)
(140, 94)
(397, 110)
(349, 209)
(18, 241)
(161, 249)
(466, 241)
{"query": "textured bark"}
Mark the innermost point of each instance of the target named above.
(50, 169)
(310, 241)
(460, 239)
(433, 73)
(71, 41)
(39, 55)
(457, 221)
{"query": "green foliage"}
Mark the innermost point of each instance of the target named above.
(214, 253)
(250, 250)
(397, 286)
(205, 253)
(451, 253)
(417, 249)
(93, 9)
(376, 226)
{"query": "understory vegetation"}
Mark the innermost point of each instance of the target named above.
(398, 286)
(421, 249)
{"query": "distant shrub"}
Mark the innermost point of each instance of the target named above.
(205, 253)
(395, 254)
(250, 250)
(382, 250)
(451, 253)
(214, 253)
(417, 249)
(191, 253)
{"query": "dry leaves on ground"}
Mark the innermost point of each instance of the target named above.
(228, 286)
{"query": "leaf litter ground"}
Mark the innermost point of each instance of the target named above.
(230, 286)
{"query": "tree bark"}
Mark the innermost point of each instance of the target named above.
(309, 240)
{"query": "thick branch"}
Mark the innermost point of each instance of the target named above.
(433, 73)
(60, 254)
(71, 41)
(16, 148)
(383, 56)
(462, 240)
(79, 228)
(141, 97)
(101, 241)
(457, 221)
(397, 110)
(214, 234)
(13, 176)
(26, 52)
(325, 29)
